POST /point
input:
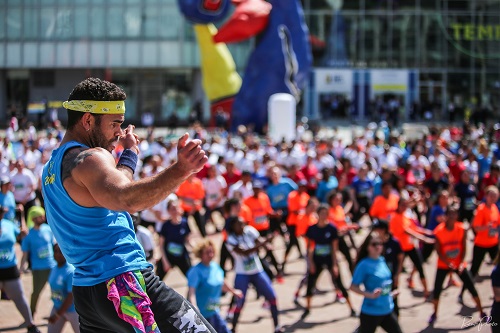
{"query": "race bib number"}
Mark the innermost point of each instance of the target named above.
(4, 255)
(452, 254)
(469, 204)
(260, 219)
(57, 296)
(213, 196)
(249, 264)
(492, 232)
(212, 305)
(386, 288)
(175, 249)
(322, 250)
(43, 253)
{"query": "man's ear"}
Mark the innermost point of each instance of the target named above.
(87, 121)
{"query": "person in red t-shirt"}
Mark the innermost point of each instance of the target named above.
(490, 179)
(451, 247)
(232, 175)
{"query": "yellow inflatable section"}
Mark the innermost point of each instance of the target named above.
(220, 78)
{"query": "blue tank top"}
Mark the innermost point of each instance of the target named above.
(100, 243)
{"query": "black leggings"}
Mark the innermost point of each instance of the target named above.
(200, 221)
(293, 240)
(172, 312)
(363, 209)
(183, 262)
(417, 261)
(344, 249)
(321, 263)
(465, 276)
(269, 253)
(369, 323)
(225, 255)
(427, 250)
(478, 254)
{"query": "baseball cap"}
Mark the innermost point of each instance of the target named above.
(302, 182)
(4, 180)
(257, 184)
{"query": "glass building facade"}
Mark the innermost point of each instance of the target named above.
(47, 46)
(453, 44)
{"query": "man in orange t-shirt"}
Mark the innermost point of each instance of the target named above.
(297, 202)
(191, 194)
(485, 225)
(451, 246)
(261, 211)
(385, 204)
(403, 229)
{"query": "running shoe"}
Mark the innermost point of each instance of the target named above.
(460, 299)
(280, 279)
(354, 314)
(453, 283)
(341, 299)
(266, 305)
(33, 329)
(279, 329)
(305, 314)
(432, 319)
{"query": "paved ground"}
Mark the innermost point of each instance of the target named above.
(326, 316)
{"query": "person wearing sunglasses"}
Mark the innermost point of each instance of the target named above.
(373, 273)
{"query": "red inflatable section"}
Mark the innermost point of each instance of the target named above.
(249, 18)
(224, 106)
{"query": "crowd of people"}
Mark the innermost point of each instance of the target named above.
(413, 198)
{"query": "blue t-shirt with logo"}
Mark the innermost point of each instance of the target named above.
(39, 244)
(374, 274)
(278, 194)
(208, 282)
(7, 200)
(61, 284)
(7, 240)
(175, 237)
(436, 212)
(362, 187)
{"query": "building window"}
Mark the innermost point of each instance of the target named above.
(44, 79)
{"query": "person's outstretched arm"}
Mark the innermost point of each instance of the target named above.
(95, 171)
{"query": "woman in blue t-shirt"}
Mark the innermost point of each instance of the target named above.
(174, 236)
(61, 286)
(372, 272)
(10, 281)
(206, 282)
(38, 246)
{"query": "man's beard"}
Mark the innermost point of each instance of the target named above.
(98, 139)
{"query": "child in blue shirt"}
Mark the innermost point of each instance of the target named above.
(61, 286)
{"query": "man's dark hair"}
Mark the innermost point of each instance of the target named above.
(93, 89)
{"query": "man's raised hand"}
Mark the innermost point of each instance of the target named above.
(190, 157)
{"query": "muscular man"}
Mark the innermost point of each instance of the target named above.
(89, 199)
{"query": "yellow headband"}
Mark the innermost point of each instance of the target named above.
(97, 107)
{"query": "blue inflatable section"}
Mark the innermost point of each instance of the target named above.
(280, 63)
(204, 11)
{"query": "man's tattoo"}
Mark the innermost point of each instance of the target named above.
(72, 159)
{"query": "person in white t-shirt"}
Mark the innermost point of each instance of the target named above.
(215, 193)
(244, 243)
(158, 214)
(24, 184)
(419, 163)
(244, 186)
(145, 237)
